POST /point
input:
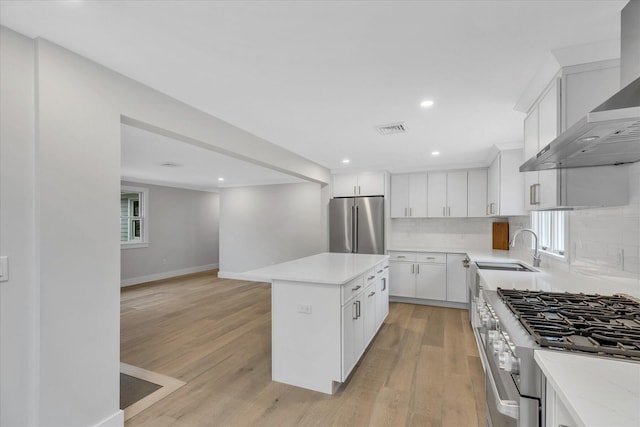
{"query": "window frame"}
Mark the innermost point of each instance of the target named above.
(555, 234)
(143, 217)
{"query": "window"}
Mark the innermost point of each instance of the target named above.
(133, 217)
(550, 228)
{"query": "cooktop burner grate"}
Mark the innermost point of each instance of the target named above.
(599, 324)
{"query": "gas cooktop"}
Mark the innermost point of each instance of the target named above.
(597, 324)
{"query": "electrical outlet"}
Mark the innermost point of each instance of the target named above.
(304, 308)
(620, 258)
(4, 269)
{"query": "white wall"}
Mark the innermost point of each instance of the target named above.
(183, 235)
(76, 174)
(264, 225)
(443, 233)
(18, 297)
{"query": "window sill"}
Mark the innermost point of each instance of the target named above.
(134, 245)
(553, 255)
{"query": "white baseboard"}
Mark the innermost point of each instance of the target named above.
(166, 275)
(116, 420)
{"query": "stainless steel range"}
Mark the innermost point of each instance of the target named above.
(510, 324)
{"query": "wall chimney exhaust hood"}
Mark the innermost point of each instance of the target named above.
(608, 135)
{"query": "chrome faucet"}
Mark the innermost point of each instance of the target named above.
(536, 255)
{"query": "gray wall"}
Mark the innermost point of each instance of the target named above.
(183, 235)
(19, 304)
(264, 225)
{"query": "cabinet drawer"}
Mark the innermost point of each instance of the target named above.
(431, 257)
(382, 268)
(352, 289)
(402, 256)
(369, 277)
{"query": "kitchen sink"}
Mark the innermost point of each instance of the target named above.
(504, 266)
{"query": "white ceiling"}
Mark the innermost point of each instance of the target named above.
(315, 77)
(145, 155)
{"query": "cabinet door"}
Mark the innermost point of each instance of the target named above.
(457, 194)
(431, 281)
(399, 196)
(456, 278)
(352, 334)
(402, 282)
(345, 185)
(493, 207)
(530, 150)
(370, 297)
(382, 299)
(548, 128)
(370, 184)
(437, 194)
(511, 201)
(477, 193)
(418, 195)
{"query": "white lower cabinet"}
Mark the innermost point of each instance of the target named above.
(431, 281)
(364, 308)
(456, 278)
(352, 334)
(556, 413)
(428, 276)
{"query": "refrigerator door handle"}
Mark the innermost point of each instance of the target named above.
(353, 229)
(355, 241)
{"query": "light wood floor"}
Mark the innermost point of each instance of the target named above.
(422, 369)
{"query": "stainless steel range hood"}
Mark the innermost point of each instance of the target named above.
(608, 135)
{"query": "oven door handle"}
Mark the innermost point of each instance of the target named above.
(510, 408)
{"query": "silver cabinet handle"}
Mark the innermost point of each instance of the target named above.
(354, 190)
(384, 283)
(443, 211)
(356, 288)
(401, 256)
(354, 310)
(371, 277)
(430, 257)
(488, 213)
(359, 192)
(413, 268)
(379, 271)
(386, 266)
(492, 205)
(448, 210)
(417, 268)
(531, 199)
(405, 211)
(372, 293)
(536, 191)
(410, 211)
(358, 308)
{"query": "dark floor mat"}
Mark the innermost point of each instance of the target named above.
(133, 389)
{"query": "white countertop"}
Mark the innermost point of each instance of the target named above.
(329, 268)
(597, 391)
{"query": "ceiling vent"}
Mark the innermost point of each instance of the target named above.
(392, 128)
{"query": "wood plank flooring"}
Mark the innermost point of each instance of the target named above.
(422, 369)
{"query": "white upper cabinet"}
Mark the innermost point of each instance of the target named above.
(363, 184)
(576, 91)
(409, 195)
(505, 184)
(477, 193)
(447, 194)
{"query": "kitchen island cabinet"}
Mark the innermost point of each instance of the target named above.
(325, 310)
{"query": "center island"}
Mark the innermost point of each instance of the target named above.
(325, 310)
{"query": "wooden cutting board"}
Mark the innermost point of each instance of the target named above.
(501, 235)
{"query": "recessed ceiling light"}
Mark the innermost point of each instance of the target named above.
(221, 179)
(435, 153)
(588, 138)
(346, 161)
(171, 164)
(426, 103)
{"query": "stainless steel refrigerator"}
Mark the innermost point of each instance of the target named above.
(356, 225)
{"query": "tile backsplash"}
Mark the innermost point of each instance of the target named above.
(445, 233)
